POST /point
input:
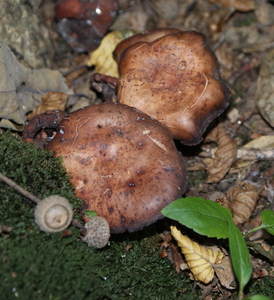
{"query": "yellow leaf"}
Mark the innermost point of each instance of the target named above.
(200, 259)
(102, 57)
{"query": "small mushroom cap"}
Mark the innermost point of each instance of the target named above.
(53, 214)
(122, 163)
(174, 79)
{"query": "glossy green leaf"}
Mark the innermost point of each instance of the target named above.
(239, 256)
(257, 297)
(268, 220)
(203, 216)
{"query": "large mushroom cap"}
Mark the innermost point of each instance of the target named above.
(175, 79)
(146, 36)
(122, 163)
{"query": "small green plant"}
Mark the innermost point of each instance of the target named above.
(211, 219)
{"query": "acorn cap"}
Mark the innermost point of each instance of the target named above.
(98, 233)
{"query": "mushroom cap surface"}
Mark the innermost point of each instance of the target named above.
(175, 79)
(146, 36)
(122, 163)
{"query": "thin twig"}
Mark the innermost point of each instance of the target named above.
(19, 189)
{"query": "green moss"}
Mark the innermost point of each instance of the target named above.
(196, 177)
(52, 267)
(263, 286)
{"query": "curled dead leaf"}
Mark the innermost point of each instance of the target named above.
(200, 259)
(243, 197)
(50, 101)
(224, 156)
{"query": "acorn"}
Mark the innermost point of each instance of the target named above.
(53, 214)
(97, 232)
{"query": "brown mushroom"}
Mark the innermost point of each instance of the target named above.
(83, 23)
(122, 163)
(174, 78)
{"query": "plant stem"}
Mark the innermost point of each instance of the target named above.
(19, 189)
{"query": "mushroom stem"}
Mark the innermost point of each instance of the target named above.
(19, 189)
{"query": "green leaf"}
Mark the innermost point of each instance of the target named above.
(257, 297)
(203, 216)
(90, 213)
(239, 256)
(268, 220)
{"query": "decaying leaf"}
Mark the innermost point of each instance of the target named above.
(204, 18)
(264, 13)
(248, 38)
(261, 148)
(224, 156)
(265, 88)
(21, 88)
(171, 251)
(240, 5)
(220, 198)
(243, 197)
(200, 259)
(262, 248)
(262, 142)
(102, 57)
(50, 101)
(225, 273)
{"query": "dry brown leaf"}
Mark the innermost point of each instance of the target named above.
(220, 198)
(264, 13)
(171, 251)
(261, 148)
(243, 197)
(200, 259)
(224, 156)
(50, 101)
(265, 88)
(225, 273)
(21, 88)
(240, 5)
